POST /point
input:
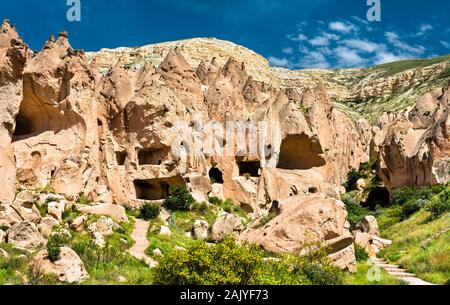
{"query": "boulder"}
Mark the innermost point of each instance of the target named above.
(165, 231)
(3, 253)
(2, 236)
(56, 209)
(114, 211)
(104, 226)
(304, 221)
(46, 226)
(372, 244)
(200, 230)
(24, 205)
(99, 239)
(369, 225)
(78, 223)
(226, 224)
(25, 235)
(69, 268)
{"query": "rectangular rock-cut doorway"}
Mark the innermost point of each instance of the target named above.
(151, 189)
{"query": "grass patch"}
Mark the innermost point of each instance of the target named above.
(421, 246)
(361, 277)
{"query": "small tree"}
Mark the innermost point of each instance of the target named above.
(150, 211)
(179, 199)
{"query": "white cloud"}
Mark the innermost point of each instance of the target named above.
(323, 39)
(297, 37)
(287, 50)
(343, 27)
(348, 57)
(313, 59)
(363, 45)
(424, 28)
(395, 40)
(385, 57)
(445, 44)
(319, 41)
(280, 62)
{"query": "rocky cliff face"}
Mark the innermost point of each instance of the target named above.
(123, 126)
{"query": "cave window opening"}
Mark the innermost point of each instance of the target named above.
(152, 156)
(153, 189)
(251, 168)
(121, 157)
(379, 196)
(300, 152)
(215, 175)
(23, 126)
(313, 190)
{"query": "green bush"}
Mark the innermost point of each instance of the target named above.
(440, 204)
(150, 211)
(242, 265)
(54, 245)
(361, 254)
(179, 199)
(355, 211)
(225, 263)
(352, 179)
(83, 199)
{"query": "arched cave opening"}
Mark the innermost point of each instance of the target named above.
(23, 126)
(300, 152)
(378, 196)
(216, 175)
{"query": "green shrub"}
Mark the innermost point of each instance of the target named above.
(361, 254)
(54, 245)
(83, 199)
(440, 204)
(225, 263)
(150, 211)
(201, 207)
(242, 265)
(266, 219)
(179, 199)
(355, 211)
(352, 179)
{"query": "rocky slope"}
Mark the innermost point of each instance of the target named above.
(121, 127)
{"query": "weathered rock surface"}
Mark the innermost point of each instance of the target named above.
(226, 224)
(123, 126)
(371, 243)
(25, 235)
(69, 268)
(116, 212)
(368, 224)
(304, 221)
(200, 230)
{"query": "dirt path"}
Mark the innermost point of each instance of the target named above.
(139, 235)
(400, 273)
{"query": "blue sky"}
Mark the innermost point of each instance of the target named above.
(294, 34)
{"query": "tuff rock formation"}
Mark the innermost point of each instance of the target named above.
(120, 127)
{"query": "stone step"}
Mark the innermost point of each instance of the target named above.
(388, 266)
(401, 274)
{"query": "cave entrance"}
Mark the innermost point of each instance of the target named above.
(153, 156)
(300, 152)
(153, 189)
(121, 156)
(23, 126)
(251, 168)
(215, 175)
(378, 196)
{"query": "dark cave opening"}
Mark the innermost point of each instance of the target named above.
(251, 168)
(378, 196)
(23, 126)
(121, 157)
(153, 189)
(300, 152)
(152, 156)
(216, 175)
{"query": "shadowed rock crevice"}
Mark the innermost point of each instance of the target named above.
(300, 152)
(152, 189)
